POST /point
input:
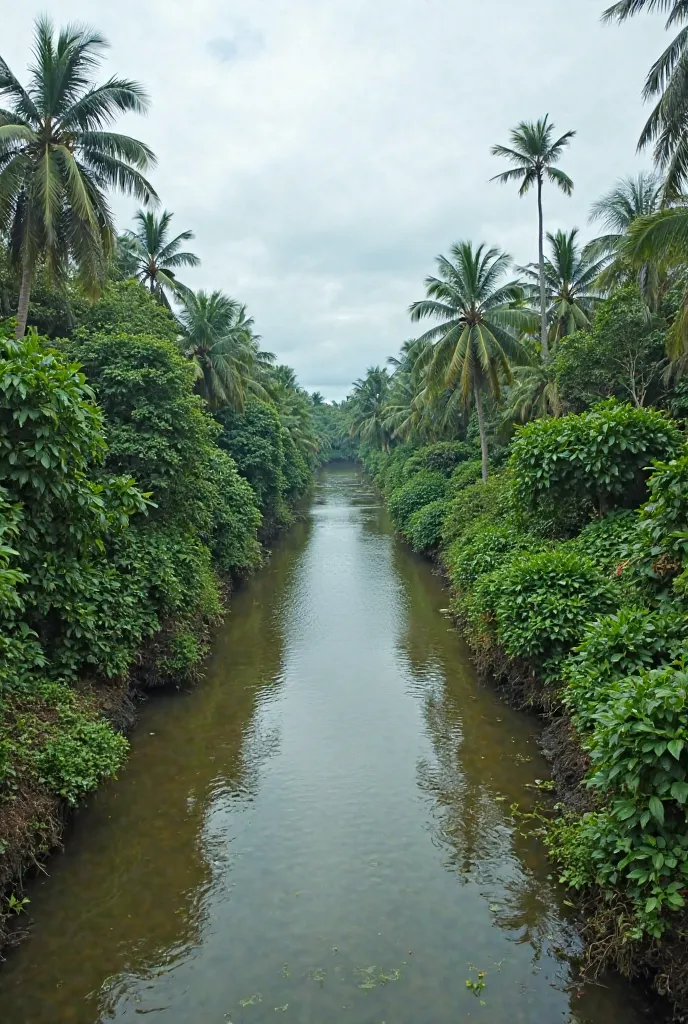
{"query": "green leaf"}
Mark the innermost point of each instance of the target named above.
(657, 809)
(679, 791)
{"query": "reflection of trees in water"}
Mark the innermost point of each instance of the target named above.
(477, 771)
(131, 893)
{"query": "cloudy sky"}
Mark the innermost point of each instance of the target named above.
(324, 151)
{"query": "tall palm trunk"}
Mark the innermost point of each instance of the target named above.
(481, 427)
(24, 295)
(541, 265)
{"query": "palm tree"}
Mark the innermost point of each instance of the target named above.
(477, 338)
(57, 161)
(157, 258)
(218, 337)
(668, 80)
(534, 393)
(534, 152)
(662, 239)
(617, 209)
(317, 398)
(285, 376)
(368, 408)
(570, 284)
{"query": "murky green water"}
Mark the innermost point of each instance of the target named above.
(321, 832)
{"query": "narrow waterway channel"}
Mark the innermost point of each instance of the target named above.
(321, 831)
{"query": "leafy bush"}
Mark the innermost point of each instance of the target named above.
(78, 757)
(597, 460)
(157, 429)
(127, 308)
(255, 440)
(661, 550)
(622, 356)
(52, 736)
(615, 647)
(492, 501)
(482, 550)
(639, 754)
(540, 603)
(424, 529)
(423, 488)
(441, 457)
(608, 541)
(464, 475)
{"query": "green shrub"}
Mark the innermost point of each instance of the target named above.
(77, 759)
(639, 754)
(464, 475)
(622, 355)
(540, 603)
(608, 541)
(598, 460)
(615, 647)
(255, 440)
(424, 529)
(481, 550)
(661, 550)
(157, 429)
(442, 457)
(491, 502)
(423, 488)
(390, 470)
(52, 736)
(127, 308)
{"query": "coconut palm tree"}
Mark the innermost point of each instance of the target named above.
(477, 339)
(156, 256)
(534, 393)
(617, 209)
(285, 376)
(218, 337)
(534, 152)
(368, 408)
(662, 239)
(668, 80)
(57, 161)
(571, 290)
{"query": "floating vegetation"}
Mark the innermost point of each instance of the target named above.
(476, 986)
(371, 977)
(316, 974)
(282, 1009)
(252, 1000)
(286, 973)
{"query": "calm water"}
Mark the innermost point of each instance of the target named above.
(321, 830)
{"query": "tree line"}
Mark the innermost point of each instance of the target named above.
(150, 447)
(533, 441)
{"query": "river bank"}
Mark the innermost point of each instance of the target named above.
(322, 828)
(570, 611)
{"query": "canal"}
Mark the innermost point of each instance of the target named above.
(321, 832)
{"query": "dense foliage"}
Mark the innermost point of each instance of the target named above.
(596, 620)
(124, 518)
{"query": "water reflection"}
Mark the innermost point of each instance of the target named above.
(321, 829)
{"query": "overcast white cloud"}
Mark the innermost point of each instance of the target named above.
(324, 151)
